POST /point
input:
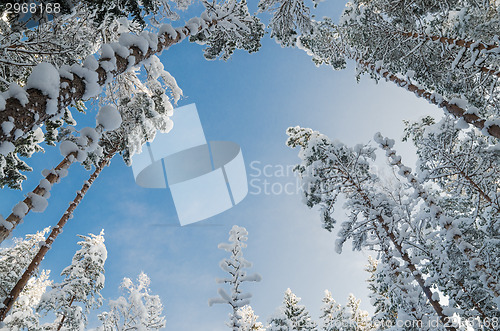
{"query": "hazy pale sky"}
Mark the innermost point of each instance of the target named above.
(250, 100)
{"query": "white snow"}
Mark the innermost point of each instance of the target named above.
(6, 147)
(120, 50)
(460, 102)
(38, 202)
(109, 117)
(67, 147)
(2, 102)
(65, 72)
(45, 77)
(7, 127)
(45, 184)
(168, 29)
(6, 224)
(129, 40)
(90, 77)
(88, 138)
(20, 210)
(17, 92)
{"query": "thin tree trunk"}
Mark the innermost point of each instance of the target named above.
(451, 41)
(458, 239)
(64, 316)
(459, 42)
(14, 293)
(52, 178)
(417, 275)
(493, 129)
(33, 113)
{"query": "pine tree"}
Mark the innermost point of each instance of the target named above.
(139, 311)
(291, 316)
(44, 248)
(405, 222)
(235, 265)
(84, 279)
(426, 52)
(223, 28)
(143, 110)
(331, 314)
(379, 216)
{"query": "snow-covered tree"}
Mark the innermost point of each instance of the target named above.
(14, 259)
(378, 217)
(444, 51)
(291, 316)
(331, 314)
(235, 265)
(140, 310)
(248, 320)
(50, 89)
(23, 315)
(84, 279)
(404, 222)
(383, 294)
(335, 317)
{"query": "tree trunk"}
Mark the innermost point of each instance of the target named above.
(459, 241)
(52, 178)
(493, 129)
(459, 42)
(33, 113)
(417, 275)
(451, 41)
(64, 316)
(14, 293)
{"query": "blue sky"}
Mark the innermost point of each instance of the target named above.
(250, 100)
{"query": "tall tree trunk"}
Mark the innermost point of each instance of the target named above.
(14, 293)
(52, 178)
(33, 113)
(457, 237)
(451, 41)
(459, 42)
(493, 129)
